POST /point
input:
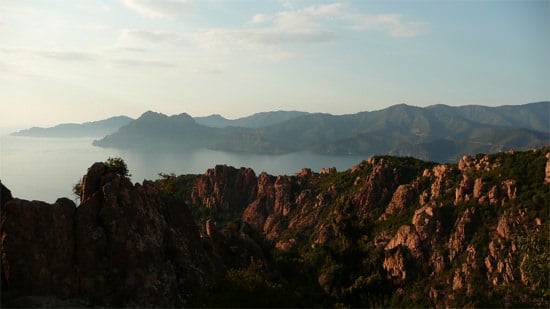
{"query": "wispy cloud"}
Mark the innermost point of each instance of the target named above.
(138, 63)
(310, 16)
(394, 24)
(307, 26)
(60, 55)
(159, 8)
(230, 39)
(133, 35)
(297, 27)
(276, 56)
(63, 55)
(257, 19)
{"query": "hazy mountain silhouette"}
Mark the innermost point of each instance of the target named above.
(439, 132)
(93, 128)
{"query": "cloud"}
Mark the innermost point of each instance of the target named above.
(229, 39)
(287, 5)
(393, 24)
(73, 56)
(159, 8)
(133, 35)
(136, 63)
(207, 71)
(297, 27)
(409, 29)
(277, 56)
(257, 19)
(307, 26)
(309, 16)
(60, 55)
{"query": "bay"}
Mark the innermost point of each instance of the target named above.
(47, 168)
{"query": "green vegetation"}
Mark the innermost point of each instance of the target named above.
(77, 189)
(118, 166)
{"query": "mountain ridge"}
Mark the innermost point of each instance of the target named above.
(400, 129)
(87, 129)
(256, 120)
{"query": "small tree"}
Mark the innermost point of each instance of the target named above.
(77, 189)
(118, 166)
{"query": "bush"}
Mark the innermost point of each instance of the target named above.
(118, 166)
(77, 188)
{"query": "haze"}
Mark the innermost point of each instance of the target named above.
(76, 61)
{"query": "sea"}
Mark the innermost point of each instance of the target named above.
(46, 169)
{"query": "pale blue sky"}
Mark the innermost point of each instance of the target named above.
(75, 61)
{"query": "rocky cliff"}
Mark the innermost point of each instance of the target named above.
(388, 232)
(124, 245)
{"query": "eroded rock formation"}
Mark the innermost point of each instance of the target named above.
(125, 245)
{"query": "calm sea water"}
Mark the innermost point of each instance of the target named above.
(47, 168)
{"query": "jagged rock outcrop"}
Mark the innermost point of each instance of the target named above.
(462, 278)
(464, 191)
(441, 175)
(477, 188)
(395, 264)
(125, 245)
(503, 250)
(406, 237)
(427, 223)
(463, 231)
(377, 188)
(402, 197)
(226, 188)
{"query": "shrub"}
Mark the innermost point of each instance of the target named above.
(118, 166)
(77, 189)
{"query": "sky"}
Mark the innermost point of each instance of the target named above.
(75, 61)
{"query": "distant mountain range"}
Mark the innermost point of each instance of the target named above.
(439, 133)
(88, 129)
(104, 127)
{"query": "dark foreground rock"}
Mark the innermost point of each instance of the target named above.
(125, 245)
